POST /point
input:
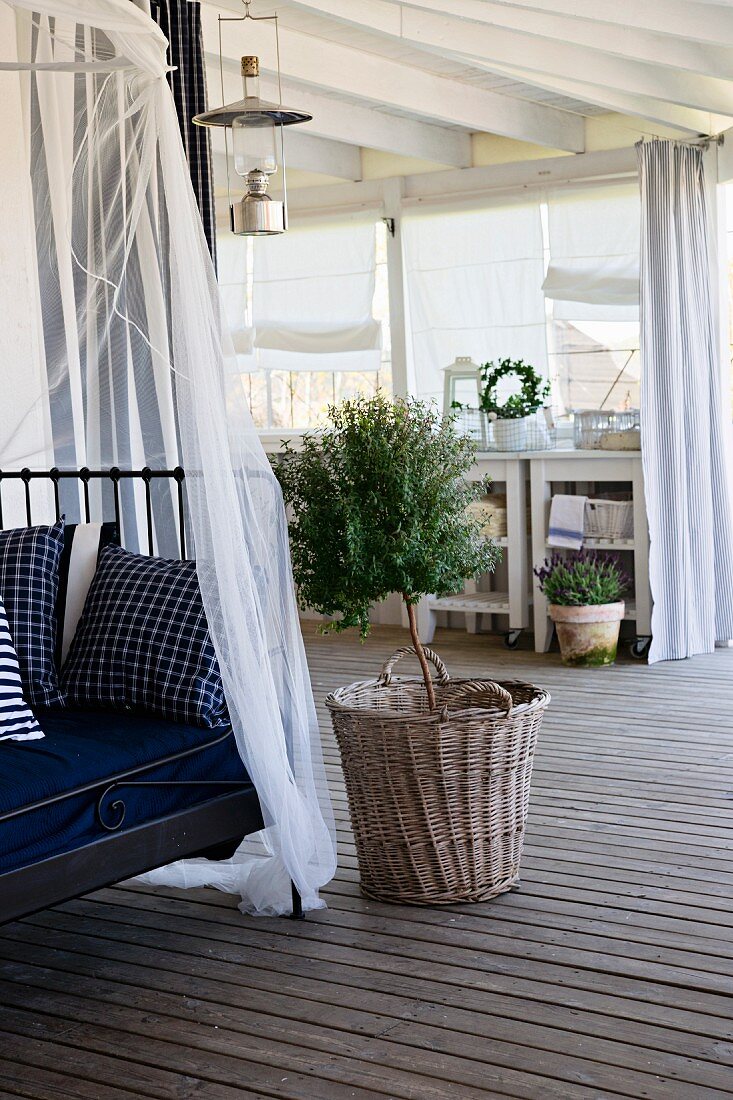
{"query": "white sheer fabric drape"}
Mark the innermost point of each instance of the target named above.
(138, 367)
(474, 281)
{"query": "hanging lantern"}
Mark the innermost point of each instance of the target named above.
(258, 145)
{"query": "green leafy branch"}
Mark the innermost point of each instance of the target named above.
(379, 505)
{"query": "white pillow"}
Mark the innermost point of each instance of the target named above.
(16, 718)
(81, 565)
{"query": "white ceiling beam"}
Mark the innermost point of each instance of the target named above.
(684, 119)
(484, 180)
(490, 45)
(380, 80)
(311, 154)
(651, 47)
(354, 125)
(688, 19)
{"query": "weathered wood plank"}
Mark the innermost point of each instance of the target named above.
(607, 974)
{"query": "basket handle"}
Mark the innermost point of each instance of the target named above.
(385, 676)
(496, 693)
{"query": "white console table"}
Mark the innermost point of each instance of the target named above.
(581, 467)
(537, 470)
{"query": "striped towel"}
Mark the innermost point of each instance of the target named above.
(16, 718)
(567, 517)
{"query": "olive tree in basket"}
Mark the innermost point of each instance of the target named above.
(379, 505)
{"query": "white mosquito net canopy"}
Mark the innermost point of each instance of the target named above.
(115, 355)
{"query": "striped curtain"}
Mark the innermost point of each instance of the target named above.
(180, 21)
(684, 437)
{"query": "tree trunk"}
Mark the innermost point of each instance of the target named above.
(420, 652)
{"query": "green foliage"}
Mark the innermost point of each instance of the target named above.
(529, 399)
(379, 506)
(585, 579)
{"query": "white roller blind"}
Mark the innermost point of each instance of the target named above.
(312, 297)
(594, 253)
(474, 281)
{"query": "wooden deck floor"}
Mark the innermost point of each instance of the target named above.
(608, 974)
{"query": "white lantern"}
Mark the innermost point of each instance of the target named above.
(462, 369)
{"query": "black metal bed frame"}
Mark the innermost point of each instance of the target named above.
(114, 475)
(213, 828)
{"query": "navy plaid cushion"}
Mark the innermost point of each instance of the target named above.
(143, 642)
(29, 579)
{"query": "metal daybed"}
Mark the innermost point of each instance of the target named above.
(72, 819)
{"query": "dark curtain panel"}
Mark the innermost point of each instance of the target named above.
(180, 21)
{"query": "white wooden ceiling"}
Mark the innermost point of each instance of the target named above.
(417, 78)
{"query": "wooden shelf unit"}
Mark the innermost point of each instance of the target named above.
(510, 469)
(579, 468)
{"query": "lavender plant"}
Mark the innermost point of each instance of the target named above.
(583, 579)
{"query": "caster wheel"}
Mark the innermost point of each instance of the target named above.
(511, 640)
(640, 648)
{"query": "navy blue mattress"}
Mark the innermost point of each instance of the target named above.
(83, 747)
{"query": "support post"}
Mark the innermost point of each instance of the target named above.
(393, 191)
(540, 494)
(516, 514)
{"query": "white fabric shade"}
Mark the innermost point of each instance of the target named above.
(320, 339)
(593, 234)
(613, 282)
(474, 281)
(303, 301)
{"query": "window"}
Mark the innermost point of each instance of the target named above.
(592, 287)
(309, 316)
(475, 281)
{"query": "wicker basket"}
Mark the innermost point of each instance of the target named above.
(491, 511)
(609, 519)
(438, 800)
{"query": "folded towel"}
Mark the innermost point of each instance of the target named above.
(567, 515)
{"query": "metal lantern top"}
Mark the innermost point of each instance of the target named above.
(253, 123)
(252, 110)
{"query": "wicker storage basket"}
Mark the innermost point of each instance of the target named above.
(491, 510)
(609, 519)
(438, 800)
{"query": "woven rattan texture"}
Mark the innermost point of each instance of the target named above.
(438, 801)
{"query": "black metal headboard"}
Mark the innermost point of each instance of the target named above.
(113, 477)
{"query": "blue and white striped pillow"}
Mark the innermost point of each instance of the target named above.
(29, 584)
(16, 720)
(143, 643)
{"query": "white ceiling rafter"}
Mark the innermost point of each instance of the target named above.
(693, 20)
(488, 46)
(346, 122)
(685, 119)
(634, 43)
(323, 64)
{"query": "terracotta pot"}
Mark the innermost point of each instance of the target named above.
(588, 636)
